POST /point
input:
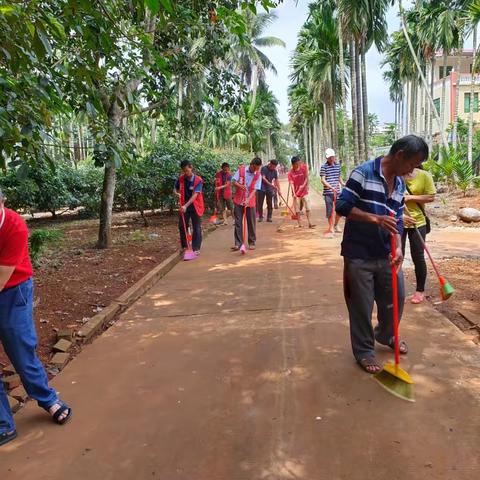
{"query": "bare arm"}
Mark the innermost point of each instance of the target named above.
(192, 199)
(5, 274)
(323, 179)
(420, 198)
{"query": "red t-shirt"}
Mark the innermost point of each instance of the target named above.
(298, 177)
(14, 247)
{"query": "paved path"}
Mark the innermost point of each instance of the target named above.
(236, 368)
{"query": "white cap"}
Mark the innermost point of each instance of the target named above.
(329, 152)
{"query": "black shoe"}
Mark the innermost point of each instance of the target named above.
(7, 437)
(269, 220)
(260, 219)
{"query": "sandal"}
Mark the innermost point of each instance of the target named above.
(6, 437)
(236, 248)
(370, 365)
(417, 297)
(402, 344)
(62, 409)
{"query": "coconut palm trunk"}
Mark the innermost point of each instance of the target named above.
(364, 97)
(444, 90)
(353, 92)
(346, 140)
(457, 94)
(472, 97)
(360, 123)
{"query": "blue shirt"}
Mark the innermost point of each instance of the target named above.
(367, 190)
(270, 175)
(332, 176)
(248, 179)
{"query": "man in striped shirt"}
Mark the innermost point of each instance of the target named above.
(375, 191)
(330, 175)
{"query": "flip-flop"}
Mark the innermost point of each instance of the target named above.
(6, 437)
(403, 346)
(63, 408)
(369, 362)
(235, 248)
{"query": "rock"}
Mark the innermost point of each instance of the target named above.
(453, 218)
(469, 214)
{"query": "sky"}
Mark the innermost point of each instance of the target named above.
(291, 17)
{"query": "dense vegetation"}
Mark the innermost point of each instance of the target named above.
(97, 83)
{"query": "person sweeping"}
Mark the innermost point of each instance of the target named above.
(223, 192)
(247, 181)
(374, 192)
(188, 188)
(298, 180)
(331, 178)
(420, 190)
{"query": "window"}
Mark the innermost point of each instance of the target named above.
(436, 102)
(466, 102)
(449, 69)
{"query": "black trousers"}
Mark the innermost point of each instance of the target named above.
(260, 199)
(417, 253)
(196, 221)
(251, 225)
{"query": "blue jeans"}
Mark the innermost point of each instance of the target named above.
(19, 340)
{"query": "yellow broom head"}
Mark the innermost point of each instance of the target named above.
(396, 381)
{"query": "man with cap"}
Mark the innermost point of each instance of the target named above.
(17, 330)
(331, 177)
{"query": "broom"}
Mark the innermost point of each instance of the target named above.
(284, 213)
(393, 378)
(446, 289)
(292, 213)
(189, 254)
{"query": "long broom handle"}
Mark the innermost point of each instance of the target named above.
(185, 228)
(393, 249)
(435, 268)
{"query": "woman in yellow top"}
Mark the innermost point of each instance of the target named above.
(420, 190)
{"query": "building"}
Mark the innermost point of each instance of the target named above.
(459, 81)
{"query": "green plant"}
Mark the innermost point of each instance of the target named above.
(39, 239)
(464, 174)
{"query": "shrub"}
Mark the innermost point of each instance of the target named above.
(39, 239)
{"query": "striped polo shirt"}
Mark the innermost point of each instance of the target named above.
(332, 176)
(367, 189)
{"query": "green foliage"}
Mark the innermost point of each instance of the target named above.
(39, 240)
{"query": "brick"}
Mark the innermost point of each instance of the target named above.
(11, 381)
(59, 360)
(9, 370)
(65, 335)
(19, 394)
(15, 405)
(62, 345)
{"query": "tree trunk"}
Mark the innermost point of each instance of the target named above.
(353, 92)
(472, 96)
(457, 95)
(413, 106)
(179, 105)
(305, 140)
(444, 90)
(312, 154)
(254, 84)
(365, 99)
(108, 188)
(346, 140)
(360, 122)
(321, 143)
(432, 113)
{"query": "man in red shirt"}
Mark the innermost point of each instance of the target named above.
(17, 330)
(298, 179)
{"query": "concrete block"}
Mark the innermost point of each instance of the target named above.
(62, 345)
(11, 381)
(59, 360)
(19, 394)
(65, 335)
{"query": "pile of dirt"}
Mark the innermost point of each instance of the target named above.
(447, 205)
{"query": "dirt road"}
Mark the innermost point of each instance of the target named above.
(239, 368)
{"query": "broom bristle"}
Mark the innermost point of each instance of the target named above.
(395, 386)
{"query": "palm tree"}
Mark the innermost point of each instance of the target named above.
(245, 54)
